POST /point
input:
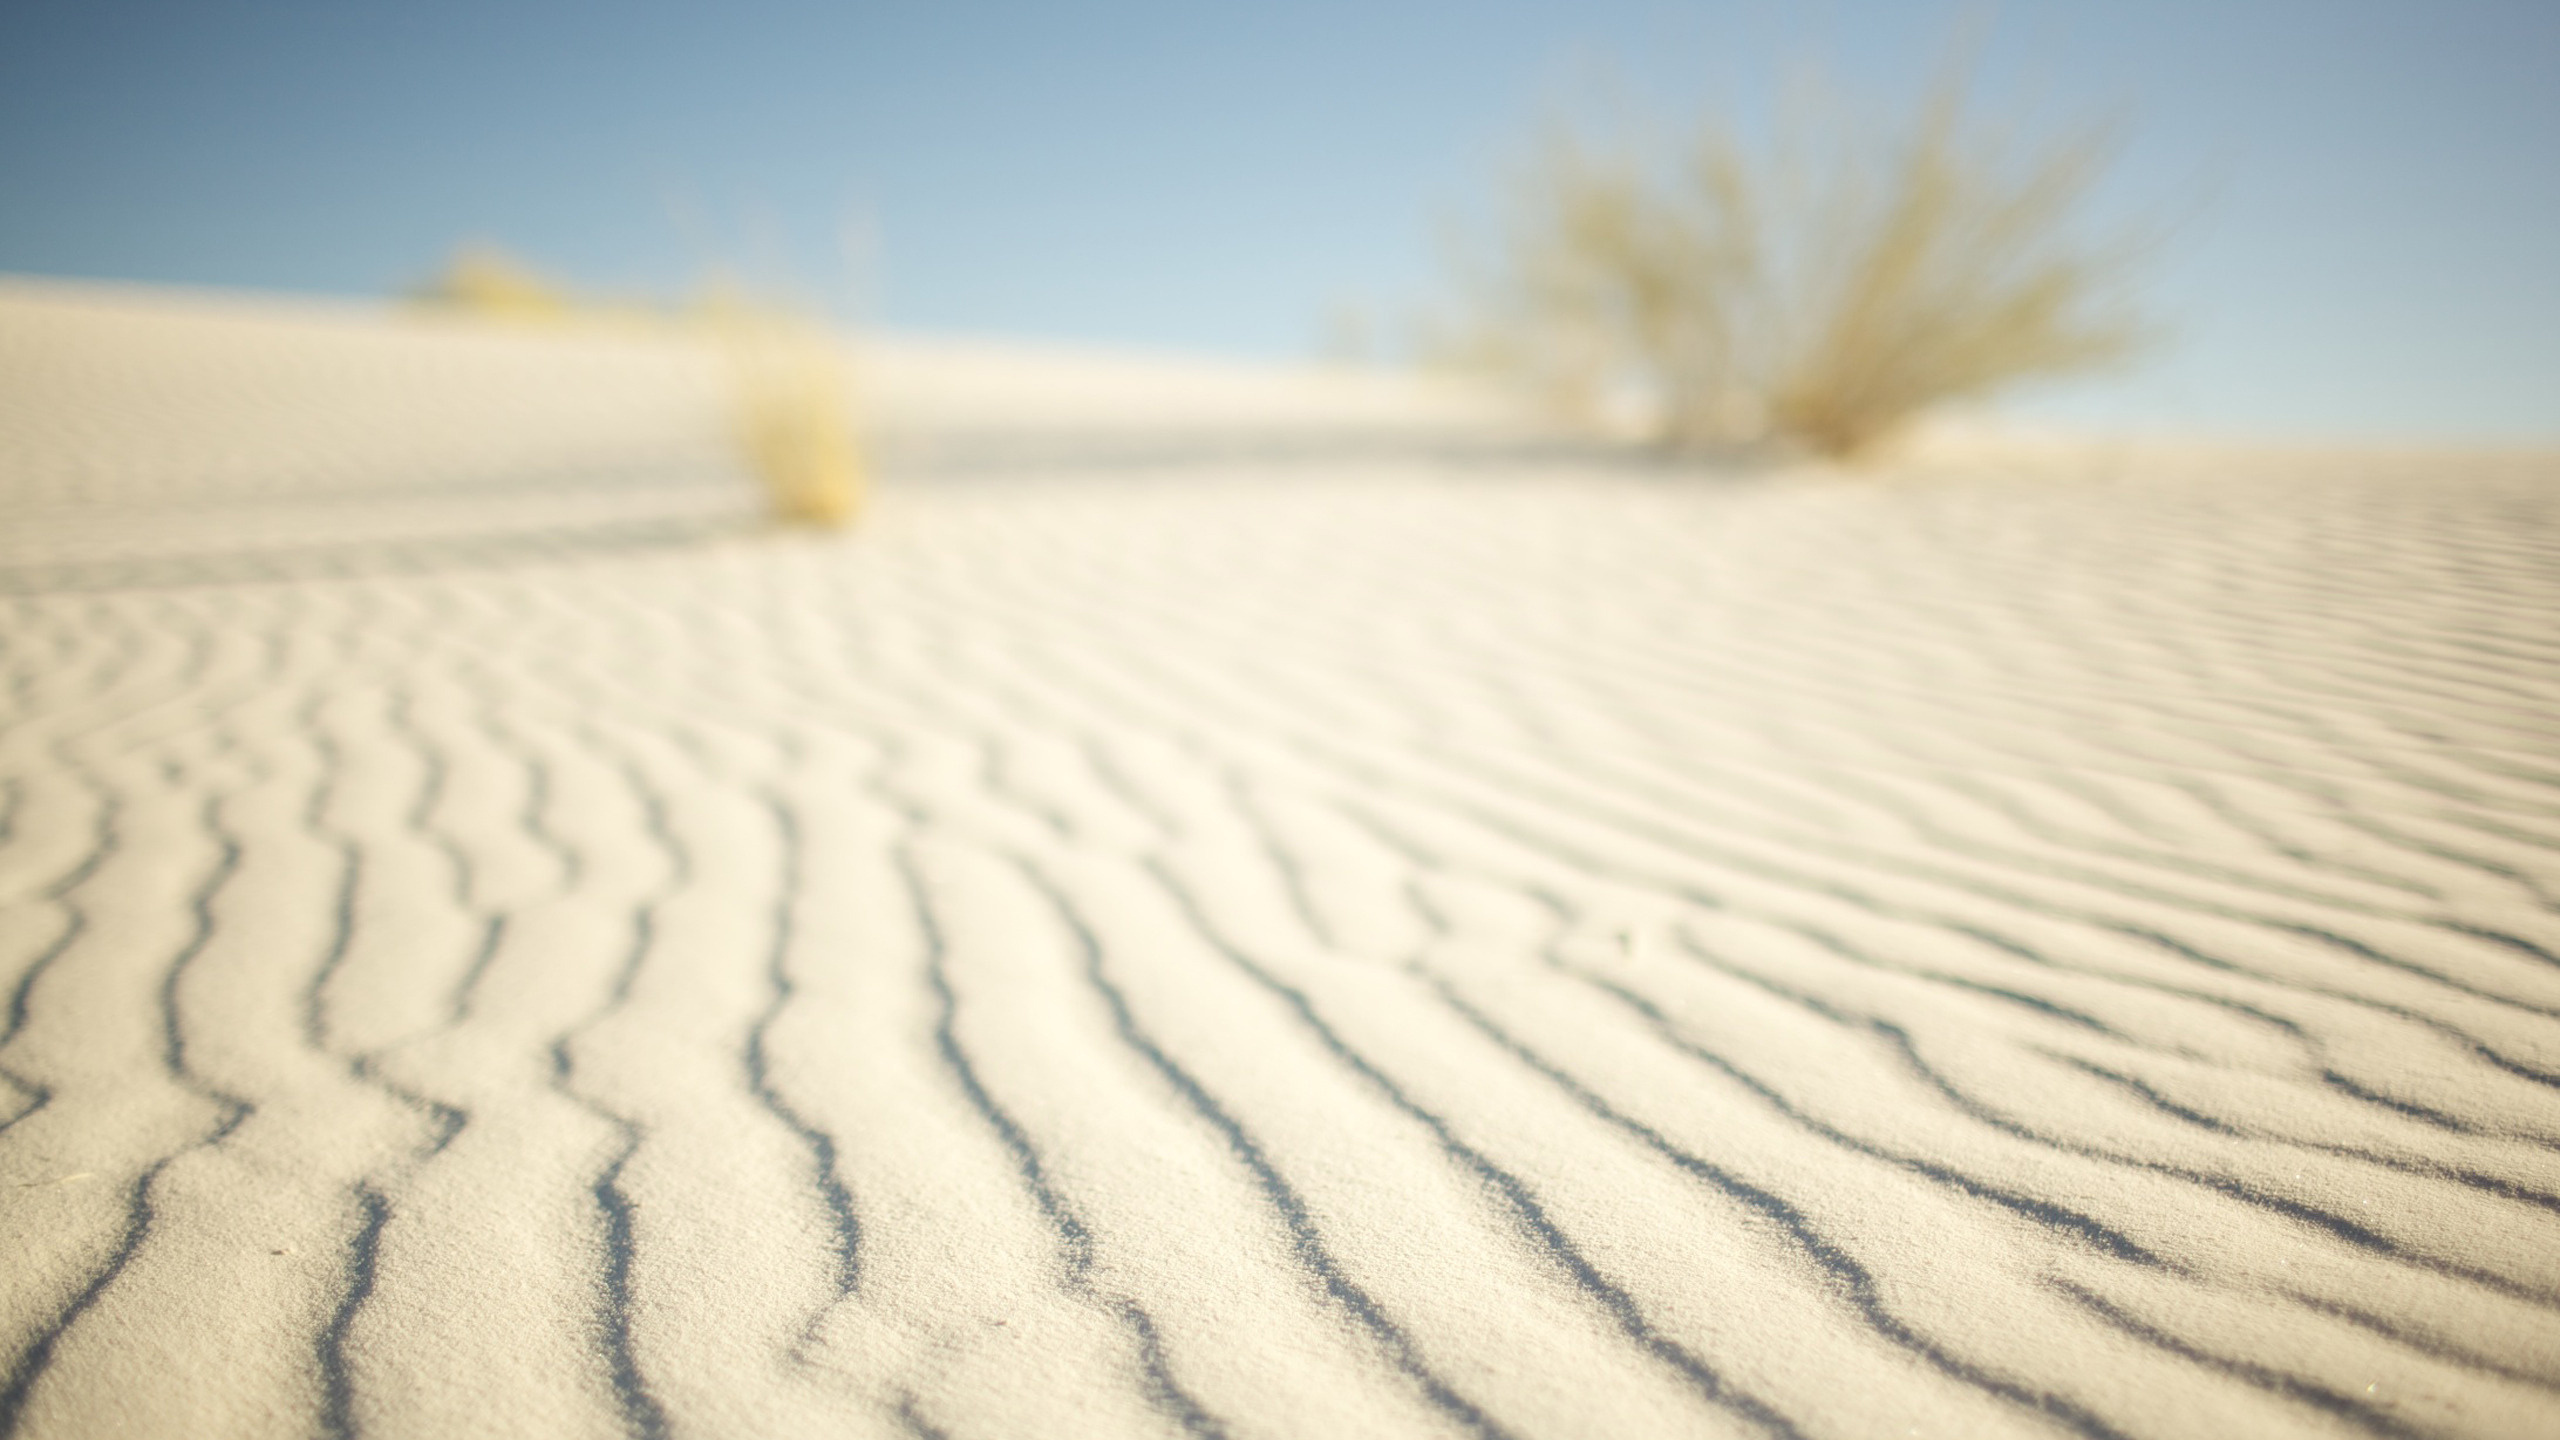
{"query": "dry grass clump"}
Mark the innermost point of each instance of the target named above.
(794, 412)
(790, 380)
(1819, 295)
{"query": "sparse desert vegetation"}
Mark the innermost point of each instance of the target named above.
(1819, 291)
(791, 381)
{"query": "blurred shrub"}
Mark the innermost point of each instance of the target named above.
(1818, 294)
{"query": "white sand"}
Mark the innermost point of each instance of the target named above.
(1240, 910)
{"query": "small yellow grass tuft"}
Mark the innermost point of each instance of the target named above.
(794, 398)
(486, 281)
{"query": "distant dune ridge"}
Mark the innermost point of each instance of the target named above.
(1338, 926)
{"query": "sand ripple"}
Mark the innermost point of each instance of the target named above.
(1343, 947)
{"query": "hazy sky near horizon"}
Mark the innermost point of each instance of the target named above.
(2365, 195)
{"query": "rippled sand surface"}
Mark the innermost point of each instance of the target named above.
(1257, 921)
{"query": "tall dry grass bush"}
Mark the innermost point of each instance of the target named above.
(791, 381)
(1818, 294)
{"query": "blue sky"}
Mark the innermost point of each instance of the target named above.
(2366, 195)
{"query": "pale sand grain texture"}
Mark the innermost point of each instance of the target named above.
(1392, 936)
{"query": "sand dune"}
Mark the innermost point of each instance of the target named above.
(1360, 939)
